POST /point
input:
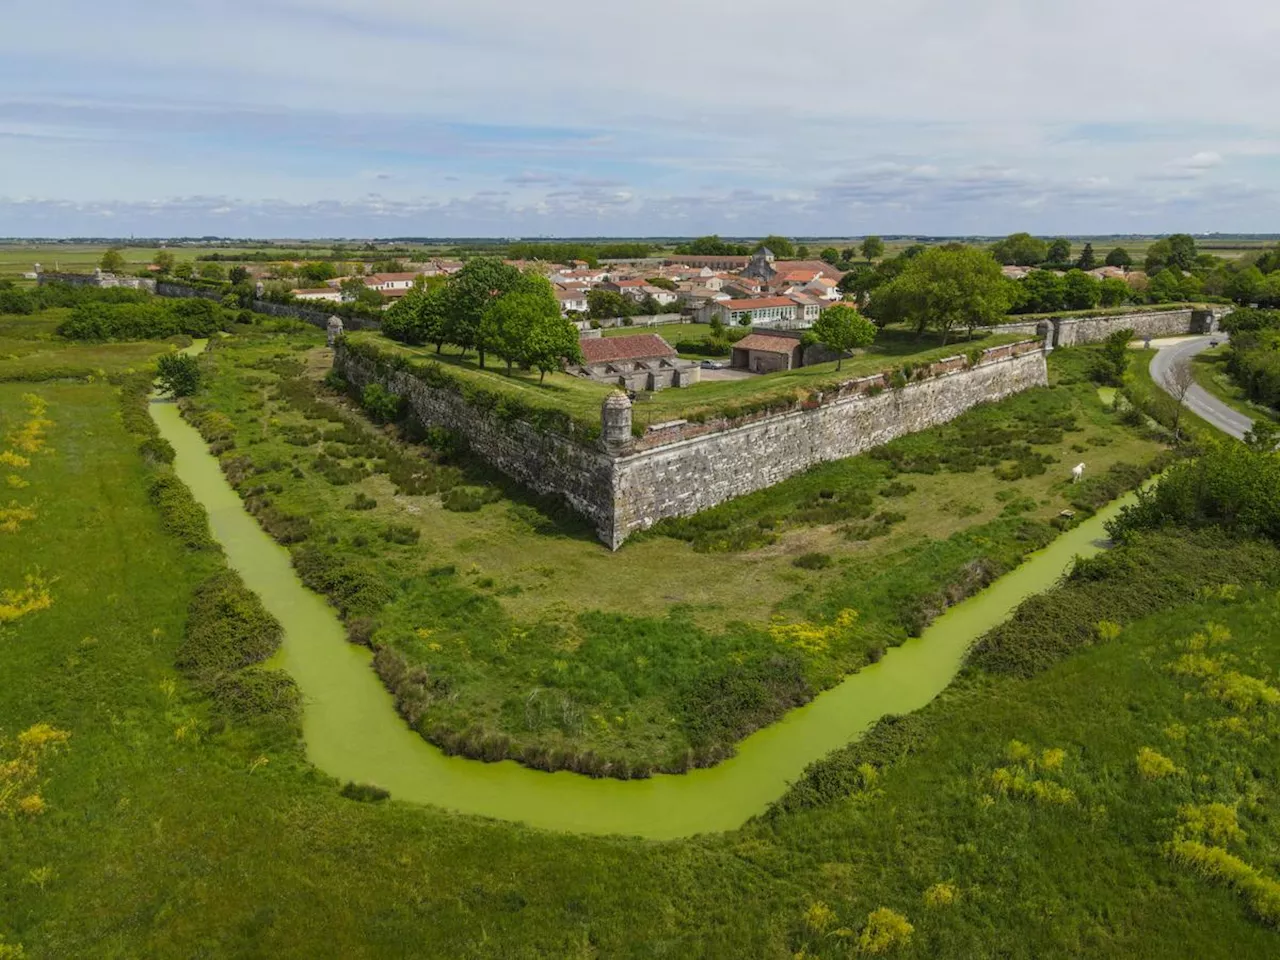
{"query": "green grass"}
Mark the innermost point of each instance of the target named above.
(1210, 369)
(1142, 389)
(164, 847)
(581, 399)
(30, 350)
(515, 599)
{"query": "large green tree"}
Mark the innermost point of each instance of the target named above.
(112, 261)
(1119, 257)
(509, 320)
(1177, 251)
(1113, 291)
(830, 255)
(842, 328)
(872, 248)
(1044, 291)
(1080, 291)
(945, 288)
(782, 247)
(1059, 250)
(1020, 249)
(468, 293)
(163, 261)
(1088, 259)
(549, 343)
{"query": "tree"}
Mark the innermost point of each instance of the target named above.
(1246, 286)
(179, 374)
(1263, 436)
(183, 270)
(782, 248)
(745, 319)
(1178, 382)
(841, 328)
(238, 274)
(1020, 249)
(872, 248)
(1182, 250)
(508, 321)
(1080, 291)
(717, 327)
(163, 261)
(1166, 286)
(946, 287)
(829, 255)
(1088, 260)
(112, 261)
(317, 272)
(1119, 257)
(469, 292)
(1115, 358)
(711, 246)
(662, 283)
(1059, 250)
(606, 304)
(1113, 291)
(551, 341)
(847, 254)
(418, 317)
(212, 271)
(1044, 291)
(802, 252)
(355, 290)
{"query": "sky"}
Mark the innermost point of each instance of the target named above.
(382, 118)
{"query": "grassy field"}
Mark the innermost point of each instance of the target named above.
(165, 832)
(1210, 369)
(636, 656)
(30, 350)
(581, 398)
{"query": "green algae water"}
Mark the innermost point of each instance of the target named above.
(353, 732)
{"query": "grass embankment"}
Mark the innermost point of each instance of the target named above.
(536, 643)
(580, 399)
(222, 842)
(1212, 373)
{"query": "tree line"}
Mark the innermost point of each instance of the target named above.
(492, 308)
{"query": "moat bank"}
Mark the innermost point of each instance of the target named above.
(353, 732)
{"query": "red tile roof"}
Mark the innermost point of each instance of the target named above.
(755, 303)
(640, 346)
(766, 343)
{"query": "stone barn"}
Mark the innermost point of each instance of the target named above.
(642, 361)
(767, 353)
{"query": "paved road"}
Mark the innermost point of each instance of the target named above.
(1198, 400)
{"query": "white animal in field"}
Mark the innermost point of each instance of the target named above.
(1077, 473)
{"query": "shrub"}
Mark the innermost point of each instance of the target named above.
(381, 404)
(179, 374)
(1153, 765)
(227, 628)
(355, 586)
(364, 792)
(941, 895)
(469, 499)
(362, 501)
(181, 515)
(402, 534)
(812, 561)
(897, 489)
(886, 930)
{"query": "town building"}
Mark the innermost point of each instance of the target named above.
(642, 361)
(318, 293)
(794, 312)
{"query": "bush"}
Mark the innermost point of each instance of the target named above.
(469, 499)
(812, 561)
(362, 501)
(355, 586)
(179, 374)
(381, 404)
(364, 792)
(227, 628)
(181, 515)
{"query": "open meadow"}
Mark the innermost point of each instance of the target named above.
(1096, 782)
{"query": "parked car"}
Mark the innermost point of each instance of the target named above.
(713, 365)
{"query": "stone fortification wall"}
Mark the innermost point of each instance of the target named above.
(539, 459)
(1154, 323)
(98, 279)
(696, 472)
(623, 483)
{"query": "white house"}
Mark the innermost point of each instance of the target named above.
(571, 301)
(318, 293)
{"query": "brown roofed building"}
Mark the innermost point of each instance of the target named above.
(641, 361)
(767, 353)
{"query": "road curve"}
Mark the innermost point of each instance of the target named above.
(1198, 400)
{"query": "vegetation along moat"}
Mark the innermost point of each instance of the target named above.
(1096, 781)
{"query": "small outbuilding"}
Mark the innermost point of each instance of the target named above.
(766, 353)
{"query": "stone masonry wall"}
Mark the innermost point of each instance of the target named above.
(540, 460)
(691, 475)
(1155, 323)
(628, 488)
